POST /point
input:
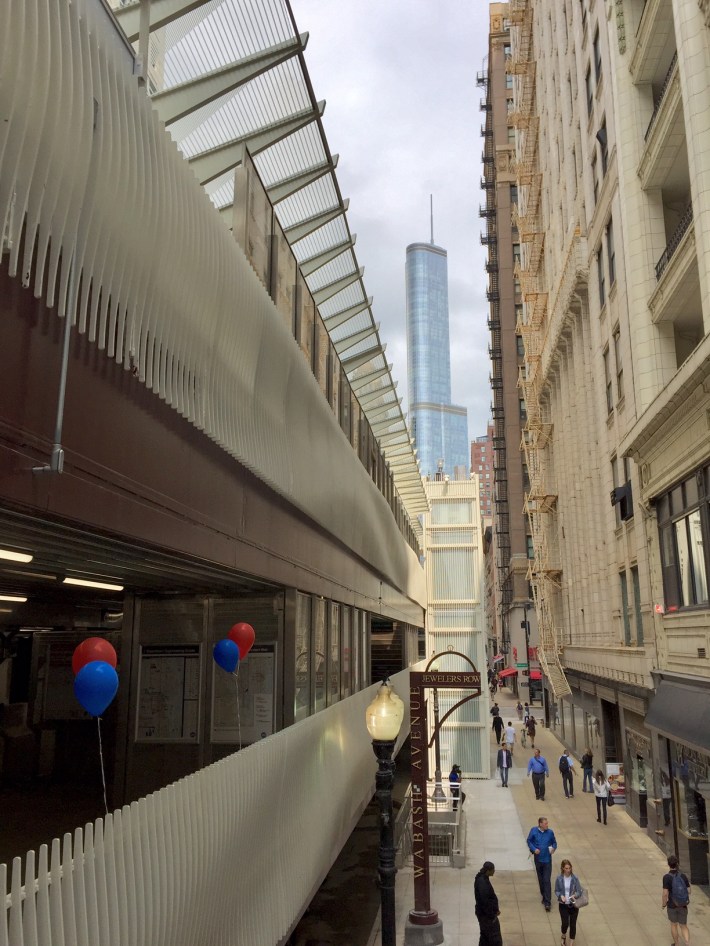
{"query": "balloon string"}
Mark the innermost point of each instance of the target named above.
(239, 715)
(101, 757)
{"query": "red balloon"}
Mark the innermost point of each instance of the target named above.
(243, 636)
(93, 648)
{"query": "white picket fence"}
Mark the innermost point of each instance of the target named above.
(229, 856)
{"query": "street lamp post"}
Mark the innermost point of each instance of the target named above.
(439, 794)
(384, 720)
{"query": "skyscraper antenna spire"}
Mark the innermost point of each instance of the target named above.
(431, 214)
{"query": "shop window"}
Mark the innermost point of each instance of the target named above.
(302, 699)
(334, 654)
(319, 652)
(691, 774)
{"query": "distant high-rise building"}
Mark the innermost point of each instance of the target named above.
(439, 428)
(482, 464)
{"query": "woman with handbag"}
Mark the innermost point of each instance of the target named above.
(602, 793)
(571, 897)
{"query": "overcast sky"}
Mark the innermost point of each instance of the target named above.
(402, 111)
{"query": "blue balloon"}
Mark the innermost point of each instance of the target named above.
(95, 686)
(226, 655)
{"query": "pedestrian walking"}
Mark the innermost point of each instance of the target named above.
(495, 710)
(587, 769)
(504, 762)
(523, 735)
(532, 728)
(675, 898)
(543, 844)
(526, 713)
(455, 784)
(487, 909)
(497, 728)
(566, 767)
(602, 790)
(519, 708)
(510, 737)
(567, 889)
(538, 768)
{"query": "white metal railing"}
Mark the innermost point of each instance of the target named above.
(213, 858)
(90, 182)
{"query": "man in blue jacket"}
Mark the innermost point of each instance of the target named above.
(537, 766)
(543, 844)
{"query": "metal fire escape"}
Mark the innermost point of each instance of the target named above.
(544, 572)
(489, 238)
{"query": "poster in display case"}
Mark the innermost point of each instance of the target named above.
(615, 777)
(169, 693)
(243, 703)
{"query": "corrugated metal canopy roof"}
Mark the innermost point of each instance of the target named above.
(195, 40)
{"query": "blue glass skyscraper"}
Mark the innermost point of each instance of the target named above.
(439, 428)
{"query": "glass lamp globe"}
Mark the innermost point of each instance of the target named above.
(384, 715)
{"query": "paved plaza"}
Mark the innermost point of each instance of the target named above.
(619, 865)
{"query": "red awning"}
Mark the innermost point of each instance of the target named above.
(508, 673)
(536, 675)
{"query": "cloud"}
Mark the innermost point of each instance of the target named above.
(399, 79)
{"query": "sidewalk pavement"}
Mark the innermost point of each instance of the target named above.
(618, 864)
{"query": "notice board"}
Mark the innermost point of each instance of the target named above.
(243, 703)
(169, 693)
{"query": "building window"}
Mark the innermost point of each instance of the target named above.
(597, 57)
(683, 528)
(611, 256)
(514, 191)
(607, 384)
(508, 81)
(530, 548)
(520, 346)
(619, 366)
(625, 607)
(614, 484)
(601, 278)
(516, 253)
(589, 90)
(637, 604)
(522, 409)
(603, 146)
(595, 179)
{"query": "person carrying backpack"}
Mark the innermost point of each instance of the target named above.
(566, 766)
(675, 898)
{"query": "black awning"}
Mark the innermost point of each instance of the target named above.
(681, 712)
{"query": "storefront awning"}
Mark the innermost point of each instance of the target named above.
(682, 713)
(508, 673)
(535, 675)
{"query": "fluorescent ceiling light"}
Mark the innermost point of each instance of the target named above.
(85, 583)
(16, 556)
(19, 598)
(5, 610)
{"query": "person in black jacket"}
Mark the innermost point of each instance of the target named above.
(487, 911)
